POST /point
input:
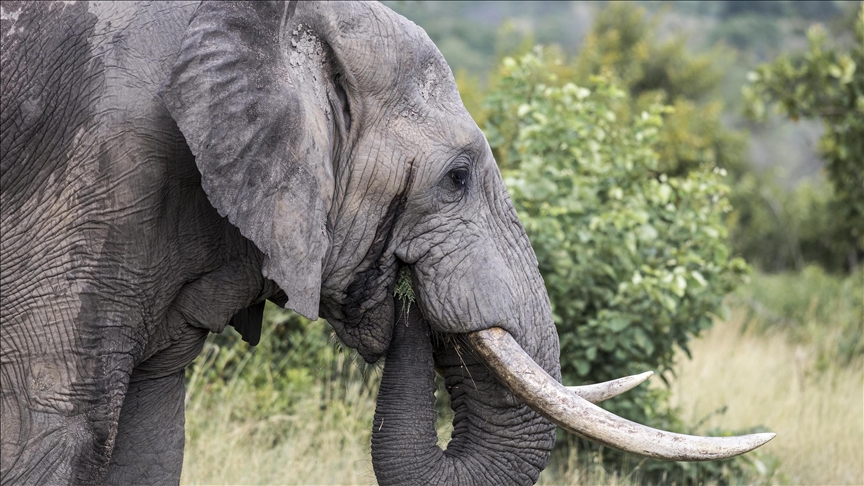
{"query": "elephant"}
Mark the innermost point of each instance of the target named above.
(167, 167)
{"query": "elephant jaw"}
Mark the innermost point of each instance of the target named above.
(368, 336)
(518, 372)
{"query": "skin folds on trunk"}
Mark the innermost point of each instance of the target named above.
(496, 439)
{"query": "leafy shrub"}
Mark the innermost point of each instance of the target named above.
(781, 229)
(624, 46)
(772, 227)
(827, 83)
(634, 259)
(811, 307)
(294, 359)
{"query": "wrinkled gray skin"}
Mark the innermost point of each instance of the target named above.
(167, 167)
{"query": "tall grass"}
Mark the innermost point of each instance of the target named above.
(254, 416)
(789, 358)
(751, 378)
(822, 312)
(319, 441)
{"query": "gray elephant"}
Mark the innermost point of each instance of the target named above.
(168, 167)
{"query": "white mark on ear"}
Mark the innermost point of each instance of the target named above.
(13, 16)
(307, 55)
(436, 85)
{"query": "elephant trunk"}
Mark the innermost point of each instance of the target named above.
(496, 439)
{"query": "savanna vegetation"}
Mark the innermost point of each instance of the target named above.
(664, 243)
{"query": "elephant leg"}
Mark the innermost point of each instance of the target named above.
(149, 447)
(150, 436)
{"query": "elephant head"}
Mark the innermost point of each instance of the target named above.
(333, 136)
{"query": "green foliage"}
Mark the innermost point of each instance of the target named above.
(749, 32)
(771, 226)
(829, 84)
(780, 229)
(404, 289)
(695, 135)
(812, 308)
(623, 46)
(634, 259)
(294, 358)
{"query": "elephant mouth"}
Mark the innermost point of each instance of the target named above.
(572, 409)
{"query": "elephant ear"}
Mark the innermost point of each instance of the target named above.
(255, 112)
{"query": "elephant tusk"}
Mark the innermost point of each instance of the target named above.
(515, 369)
(598, 392)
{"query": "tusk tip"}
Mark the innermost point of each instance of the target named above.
(764, 437)
(603, 391)
(641, 377)
(748, 443)
(741, 444)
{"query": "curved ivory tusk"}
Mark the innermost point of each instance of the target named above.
(531, 384)
(598, 392)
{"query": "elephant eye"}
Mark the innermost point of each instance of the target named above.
(459, 177)
(456, 182)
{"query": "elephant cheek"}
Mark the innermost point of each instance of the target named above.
(483, 295)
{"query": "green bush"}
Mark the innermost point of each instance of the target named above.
(825, 82)
(811, 307)
(294, 359)
(780, 229)
(624, 46)
(634, 260)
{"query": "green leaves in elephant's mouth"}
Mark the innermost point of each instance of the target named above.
(404, 289)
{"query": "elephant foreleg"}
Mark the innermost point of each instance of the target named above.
(150, 435)
(149, 447)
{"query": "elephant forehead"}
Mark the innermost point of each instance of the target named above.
(424, 129)
(434, 82)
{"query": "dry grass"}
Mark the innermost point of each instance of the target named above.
(818, 415)
(312, 444)
(581, 469)
(316, 449)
